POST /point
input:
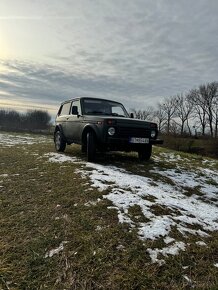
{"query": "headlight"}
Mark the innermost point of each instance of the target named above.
(111, 131)
(153, 134)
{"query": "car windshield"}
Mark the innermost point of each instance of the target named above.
(103, 107)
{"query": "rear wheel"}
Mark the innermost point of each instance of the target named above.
(145, 153)
(91, 147)
(60, 143)
(83, 148)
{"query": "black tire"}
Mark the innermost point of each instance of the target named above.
(83, 148)
(91, 147)
(60, 143)
(144, 154)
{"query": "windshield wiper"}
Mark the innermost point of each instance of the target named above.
(103, 113)
(96, 112)
(115, 114)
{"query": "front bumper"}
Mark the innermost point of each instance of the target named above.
(122, 144)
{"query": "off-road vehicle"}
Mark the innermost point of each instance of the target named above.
(100, 125)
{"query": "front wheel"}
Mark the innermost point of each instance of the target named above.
(91, 147)
(144, 154)
(60, 143)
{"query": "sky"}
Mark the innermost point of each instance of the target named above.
(135, 52)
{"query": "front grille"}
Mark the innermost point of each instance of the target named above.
(126, 132)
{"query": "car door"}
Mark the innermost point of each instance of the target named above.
(63, 115)
(74, 123)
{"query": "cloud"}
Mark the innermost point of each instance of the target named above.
(136, 52)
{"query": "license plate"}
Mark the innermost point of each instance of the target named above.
(137, 140)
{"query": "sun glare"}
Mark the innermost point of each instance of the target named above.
(4, 51)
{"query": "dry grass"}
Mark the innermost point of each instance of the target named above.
(46, 204)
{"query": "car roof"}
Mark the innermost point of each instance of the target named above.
(80, 98)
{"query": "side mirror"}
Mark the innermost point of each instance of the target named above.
(131, 115)
(74, 110)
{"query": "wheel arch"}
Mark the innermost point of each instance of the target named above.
(86, 130)
(59, 128)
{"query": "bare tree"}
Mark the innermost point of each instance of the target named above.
(160, 117)
(215, 113)
(204, 100)
(169, 110)
(32, 120)
(208, 93)
(184, 109)
(38, 119)
(199, 107)
(146, 114)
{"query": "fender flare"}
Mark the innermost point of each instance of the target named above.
(86, 129)
(59, 128)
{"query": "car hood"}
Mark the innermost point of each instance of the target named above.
(122, 121)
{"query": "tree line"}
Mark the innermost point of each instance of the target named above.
(31, 120)
(195, 112)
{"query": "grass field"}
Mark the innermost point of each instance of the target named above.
(116, 224)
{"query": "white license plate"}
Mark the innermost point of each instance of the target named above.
(137, 140)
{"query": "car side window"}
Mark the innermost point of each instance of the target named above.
(65, 109)
(76, 109)
(117, 110)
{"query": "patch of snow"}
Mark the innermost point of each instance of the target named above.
(60, 158)
(209, 173)
(216, 265)
(200, 243)
(89, 203)
(181, 212)
(168, 240)
(191, 180)
(88, 189)
(127, 190)
(9, 140)
(4, 175)
(56, 251)
(185, 230)
(120, 247)
(190, 282)
(171, 157)
(158, 227)
(208, 162)
(98, 228)
(170, 250)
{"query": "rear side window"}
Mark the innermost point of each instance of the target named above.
(76, 104)
(65, 110)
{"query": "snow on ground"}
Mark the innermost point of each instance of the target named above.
(162, 199)
(190, 179)
(9, 140)
(165, 205)
(59, 158)
(56, 251)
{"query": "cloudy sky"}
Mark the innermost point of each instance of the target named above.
(136, 52)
